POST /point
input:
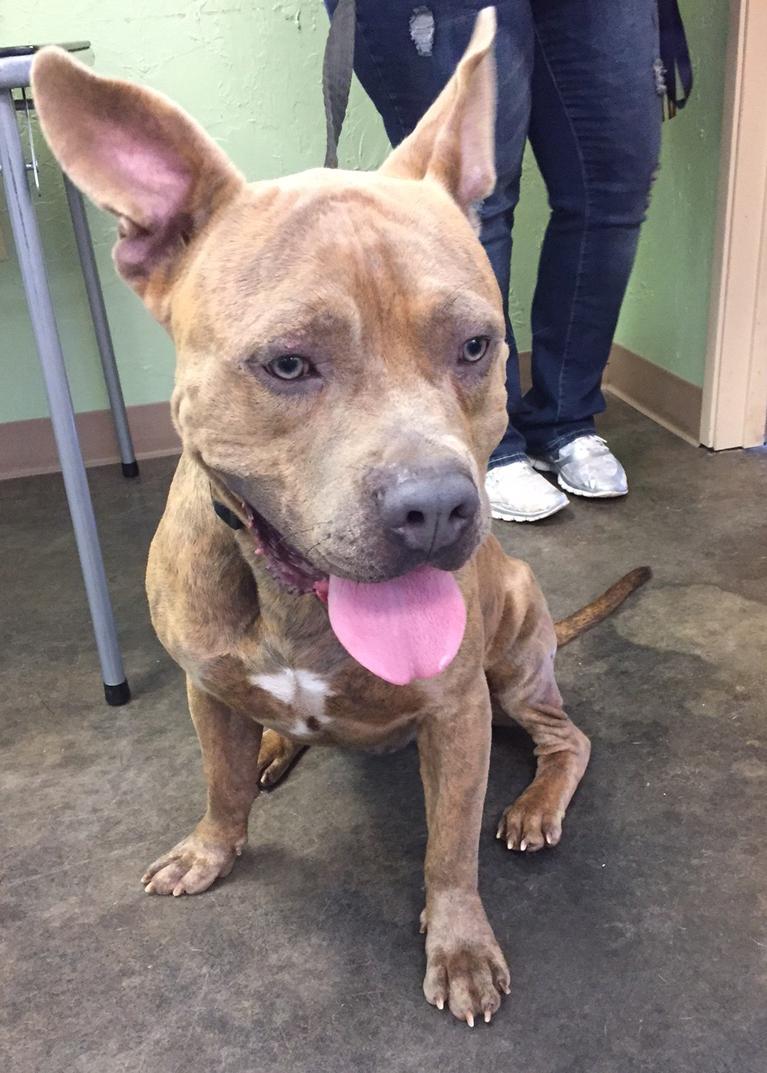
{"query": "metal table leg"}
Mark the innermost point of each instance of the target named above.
(27, 239)
(101, 327)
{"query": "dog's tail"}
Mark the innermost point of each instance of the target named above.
(604, 605)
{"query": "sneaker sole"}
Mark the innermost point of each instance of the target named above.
(508, 516)
(548, 467)
(589, 495)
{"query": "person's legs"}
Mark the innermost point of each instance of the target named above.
(595, 131)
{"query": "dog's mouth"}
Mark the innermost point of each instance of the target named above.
(404, 628)
(284, 562)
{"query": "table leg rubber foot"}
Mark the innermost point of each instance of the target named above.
(117, 695)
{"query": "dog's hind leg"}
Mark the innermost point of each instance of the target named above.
(276, 758)
(520, 673)
(230, 745)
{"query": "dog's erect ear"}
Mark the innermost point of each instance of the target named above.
(135, 153)
(454, 143)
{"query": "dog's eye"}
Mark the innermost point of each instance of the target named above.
(289, 367)
(474, 349)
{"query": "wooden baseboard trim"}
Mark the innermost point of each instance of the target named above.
(28, 447)
(671, 402)
(668, 400)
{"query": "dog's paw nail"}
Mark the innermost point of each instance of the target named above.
(178, 891)
(523, 845)
(470, 1020)
(488, 1015)
(548, 839)
(506, 989)
(510, 844)
(149, 889)
(440, 1004)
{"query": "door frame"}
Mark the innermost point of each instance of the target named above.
(734, 409)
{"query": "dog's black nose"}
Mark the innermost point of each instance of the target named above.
(429, 513)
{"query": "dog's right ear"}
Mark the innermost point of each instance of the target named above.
(135, 153)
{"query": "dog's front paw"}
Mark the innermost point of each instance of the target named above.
(193, 865)
(465, 968)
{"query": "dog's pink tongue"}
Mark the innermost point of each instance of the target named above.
(403, 629)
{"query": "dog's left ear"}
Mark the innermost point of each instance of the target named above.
(454, 143)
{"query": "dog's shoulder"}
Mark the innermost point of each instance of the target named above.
(202, 594)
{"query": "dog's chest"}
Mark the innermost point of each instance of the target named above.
(313, 697)
(301, 696)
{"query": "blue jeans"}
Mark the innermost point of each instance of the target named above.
(582, 80)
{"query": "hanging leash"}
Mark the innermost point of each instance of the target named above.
(675, 56)
(337, 67)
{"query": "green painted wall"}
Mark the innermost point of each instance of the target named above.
(249, 71)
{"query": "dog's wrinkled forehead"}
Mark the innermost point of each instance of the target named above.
(322, 248)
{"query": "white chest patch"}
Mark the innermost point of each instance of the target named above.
(303, 691)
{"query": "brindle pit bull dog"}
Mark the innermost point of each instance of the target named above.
(340, 386)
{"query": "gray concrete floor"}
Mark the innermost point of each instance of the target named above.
(638, 944)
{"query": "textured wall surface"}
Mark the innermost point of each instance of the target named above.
(249, 71)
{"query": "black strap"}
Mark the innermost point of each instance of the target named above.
(675, 56)
(227, 515)
(337, 67)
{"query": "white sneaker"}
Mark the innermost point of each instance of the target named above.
(518, 494)
(586, 467)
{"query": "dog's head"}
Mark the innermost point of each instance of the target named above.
(340, 335)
